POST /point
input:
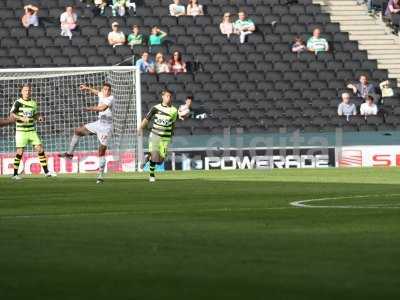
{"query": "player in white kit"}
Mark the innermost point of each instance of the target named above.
(103, 127)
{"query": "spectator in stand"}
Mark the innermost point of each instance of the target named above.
(161, 66)
(156, 36)
(369, 108)
(145, 64)
(362, 89)
(346, 108)
(68, 20)
(369, 5)
(177, 65)
(243, 26)
(135, 38)
(176, 9)
(226, 26)
(116, 37)
(185, 110)
(30, 17)
(194, 8)
(393, 12)
(298, 45)
(100, 6)
(119, 7)
(317, 44)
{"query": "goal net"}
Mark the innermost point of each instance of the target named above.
(62, 104)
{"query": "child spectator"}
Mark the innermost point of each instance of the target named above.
(194, 8)
(135, 38)
(145, 64)
(176, 9)
(346, 108)
(177, 65)
(68, 20)
(298, 45)
(30, 17)
(116, 37)
(316, 43)
(226, 26)
(243, 26)
(156, 36)
(369, 108)
(185, 110)
(161, 66)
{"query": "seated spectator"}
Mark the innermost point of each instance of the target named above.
(68, 20)
(30, 17)
(185, 110)
(362, 89)
(346, 108)
(316, 43)
(176, 64)
(161, 66)
(298, 45)
(194, 8)
(116, 37)
(156, 36)
(100, 6)
(386, 90)
(243, 26)
(369, 108)
(226, 26)
(176, 9)
(393, 12)
(135, 38)
(119, 7)
(145, 64)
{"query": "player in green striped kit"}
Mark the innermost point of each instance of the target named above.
(25, 113)
(164, 116)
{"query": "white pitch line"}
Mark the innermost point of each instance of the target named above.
(302, 203)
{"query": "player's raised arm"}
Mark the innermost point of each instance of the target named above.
(88, 89)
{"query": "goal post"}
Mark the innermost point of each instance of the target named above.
(61, 103)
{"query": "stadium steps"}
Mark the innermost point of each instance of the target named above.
(370, 32)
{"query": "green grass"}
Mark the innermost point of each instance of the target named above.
(198, 235)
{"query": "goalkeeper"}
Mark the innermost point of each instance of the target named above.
(164, 116)
(25, 113)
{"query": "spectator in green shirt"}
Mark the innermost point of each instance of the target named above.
(317, 44)
(156, 36)
(243, 26)
(135, 38)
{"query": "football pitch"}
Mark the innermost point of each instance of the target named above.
(280, 234)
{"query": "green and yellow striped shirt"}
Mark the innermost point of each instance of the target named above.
(25, 108)
(164, 118)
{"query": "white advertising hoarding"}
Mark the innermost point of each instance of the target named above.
(368, 156)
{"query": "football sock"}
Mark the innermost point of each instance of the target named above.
(17, 161)
(72, 145)
(43, 162)
(152, 168)
(102, 164)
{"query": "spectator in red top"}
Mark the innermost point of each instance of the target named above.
(176, 64)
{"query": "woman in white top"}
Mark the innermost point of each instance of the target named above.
(226, 26)
(176, 9)
(68, 20)
(194, 8)
(30, 18)
(369, 108)
(161, 66)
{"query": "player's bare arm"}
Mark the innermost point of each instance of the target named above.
(98, 108)
(88, 89)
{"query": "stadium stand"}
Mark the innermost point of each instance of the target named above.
(260, 85)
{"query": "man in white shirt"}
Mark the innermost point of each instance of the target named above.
(176, 9)
(103, 127)
(116, 37)
(346, 108)
(369, 108)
